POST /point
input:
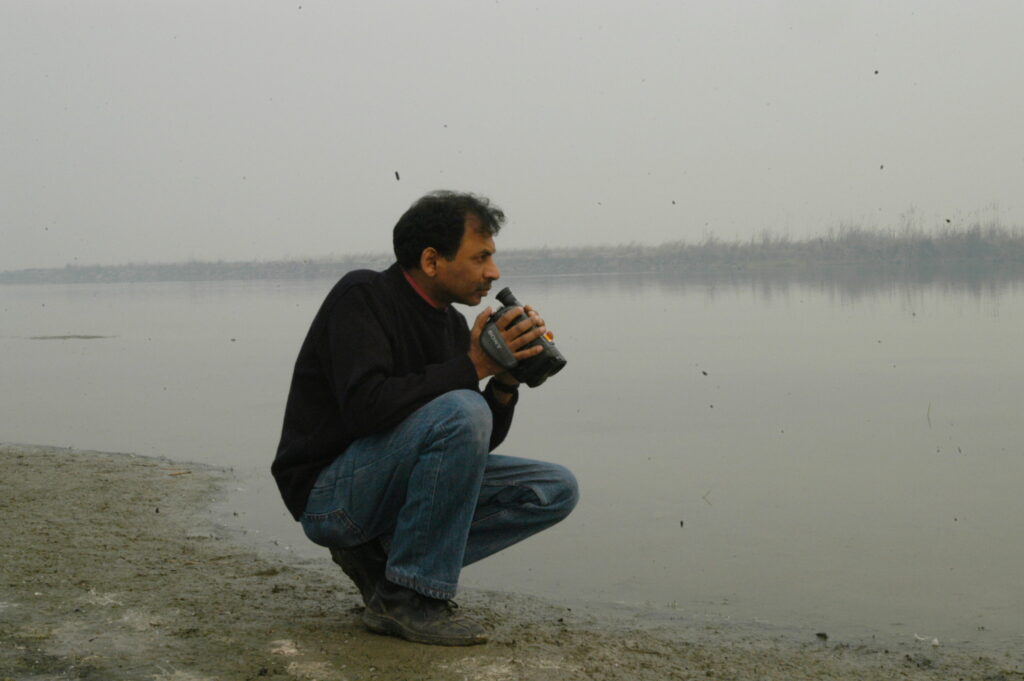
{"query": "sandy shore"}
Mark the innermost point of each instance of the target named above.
(114, 567)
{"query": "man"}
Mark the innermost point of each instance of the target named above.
(385, 450)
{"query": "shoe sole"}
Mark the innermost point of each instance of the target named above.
(381, 624)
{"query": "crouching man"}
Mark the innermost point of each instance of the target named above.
(385, 451)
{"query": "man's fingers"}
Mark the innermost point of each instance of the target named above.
(518, 335)
(526, 338)
(506, 319)
(529, 352)
(523, 327)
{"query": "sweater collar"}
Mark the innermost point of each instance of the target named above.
(422, 294)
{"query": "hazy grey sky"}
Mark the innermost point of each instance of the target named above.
(135, 130)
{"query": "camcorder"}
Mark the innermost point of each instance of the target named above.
(532, 371)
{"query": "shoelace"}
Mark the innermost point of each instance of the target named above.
(448, 606)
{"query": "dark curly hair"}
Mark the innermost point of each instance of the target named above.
(438, 220)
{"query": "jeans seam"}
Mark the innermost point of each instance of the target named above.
(542, 502)
(435, 474)
(497, 514)
(427, 587)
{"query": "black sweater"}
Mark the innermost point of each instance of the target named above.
(375, 352)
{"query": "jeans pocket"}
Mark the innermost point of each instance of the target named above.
(331, 489)
(331, 529)
(325, 520)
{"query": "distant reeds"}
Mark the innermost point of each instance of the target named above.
(988, 248)
(846, 245)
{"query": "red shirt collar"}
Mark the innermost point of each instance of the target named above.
(423, 294)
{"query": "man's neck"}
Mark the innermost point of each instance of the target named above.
(415, 279)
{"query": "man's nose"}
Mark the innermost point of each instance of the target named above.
(492, 272)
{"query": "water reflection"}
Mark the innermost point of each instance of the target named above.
(845, 283)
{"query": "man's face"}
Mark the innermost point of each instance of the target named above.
(467, 277)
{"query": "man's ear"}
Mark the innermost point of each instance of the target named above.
(428, 261)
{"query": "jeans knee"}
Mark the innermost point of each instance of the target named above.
(464, 415)
(568, 494)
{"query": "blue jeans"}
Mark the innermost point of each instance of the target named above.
(429, 489)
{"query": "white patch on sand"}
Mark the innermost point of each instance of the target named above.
(558, 665)
(283, 647)
(178, 675)
(95, 598)
(488, 669)
(309, 671)
(139, 620)
(315, 671)
(483, 669)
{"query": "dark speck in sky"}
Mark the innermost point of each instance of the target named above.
(396, 176)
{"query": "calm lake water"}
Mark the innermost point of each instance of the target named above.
(841, 458)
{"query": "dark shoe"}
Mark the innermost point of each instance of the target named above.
(402, 612)
(364, 565)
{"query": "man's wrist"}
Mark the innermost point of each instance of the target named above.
(502, 387)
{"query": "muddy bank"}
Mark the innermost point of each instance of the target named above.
(114, 567)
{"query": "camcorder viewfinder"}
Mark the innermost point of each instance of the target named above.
(532, 371)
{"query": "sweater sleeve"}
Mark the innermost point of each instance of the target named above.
(359, 353)
(502, 416)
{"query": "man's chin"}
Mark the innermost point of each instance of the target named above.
(474, 299)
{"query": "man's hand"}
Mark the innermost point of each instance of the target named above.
(516, 336)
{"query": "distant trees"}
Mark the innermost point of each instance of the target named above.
(845, 246)
(196, 271)
(985, 248)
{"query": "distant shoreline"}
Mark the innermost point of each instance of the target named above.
(983, 251)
